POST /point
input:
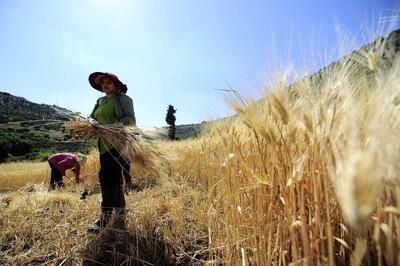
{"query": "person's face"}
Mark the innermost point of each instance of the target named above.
(108, 86)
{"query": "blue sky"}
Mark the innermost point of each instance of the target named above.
(170, 52)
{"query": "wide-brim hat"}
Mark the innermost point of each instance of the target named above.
(96, 77)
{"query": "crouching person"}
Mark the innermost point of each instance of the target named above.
(59, 163)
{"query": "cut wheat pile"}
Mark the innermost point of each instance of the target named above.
(127, 140)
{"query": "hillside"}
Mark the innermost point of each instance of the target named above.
(183, 132)
(365, 61)
(13, 109)
(31, 131)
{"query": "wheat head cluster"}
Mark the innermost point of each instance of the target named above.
(308, 175)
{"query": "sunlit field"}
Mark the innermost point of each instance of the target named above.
(15, 175)
(308, 175)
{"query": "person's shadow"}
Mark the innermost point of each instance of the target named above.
(124, 247)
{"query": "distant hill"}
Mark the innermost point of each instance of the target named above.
(13, 109)
(182, 132)
(188, 131)
(33, 131)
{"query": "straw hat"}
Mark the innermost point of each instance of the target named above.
(96, 77)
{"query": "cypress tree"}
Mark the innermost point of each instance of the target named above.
(170, 119)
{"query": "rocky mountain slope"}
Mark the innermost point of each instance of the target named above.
(13, 109)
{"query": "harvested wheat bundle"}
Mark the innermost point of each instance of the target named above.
(128, 140)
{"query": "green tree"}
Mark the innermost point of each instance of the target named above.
(20, 148)
(170, 119)
(4, 150)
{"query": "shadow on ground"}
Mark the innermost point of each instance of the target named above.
(127, 247)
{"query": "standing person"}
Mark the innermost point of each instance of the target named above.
(59, 163)
(114, 107)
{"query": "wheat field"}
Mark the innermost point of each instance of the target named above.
(305, 176)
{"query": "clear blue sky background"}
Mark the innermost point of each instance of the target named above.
(169, 52)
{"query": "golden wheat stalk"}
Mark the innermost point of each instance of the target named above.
(127, 140)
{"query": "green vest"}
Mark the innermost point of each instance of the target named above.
(105, 114)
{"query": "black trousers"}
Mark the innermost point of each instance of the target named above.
(111, 184)
(56, 177)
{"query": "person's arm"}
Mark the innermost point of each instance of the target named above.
(127, 111)
(77, 171)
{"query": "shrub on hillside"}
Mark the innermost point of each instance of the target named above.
(4, 150)
(3, 118)
(19, 148)
(43, 155)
